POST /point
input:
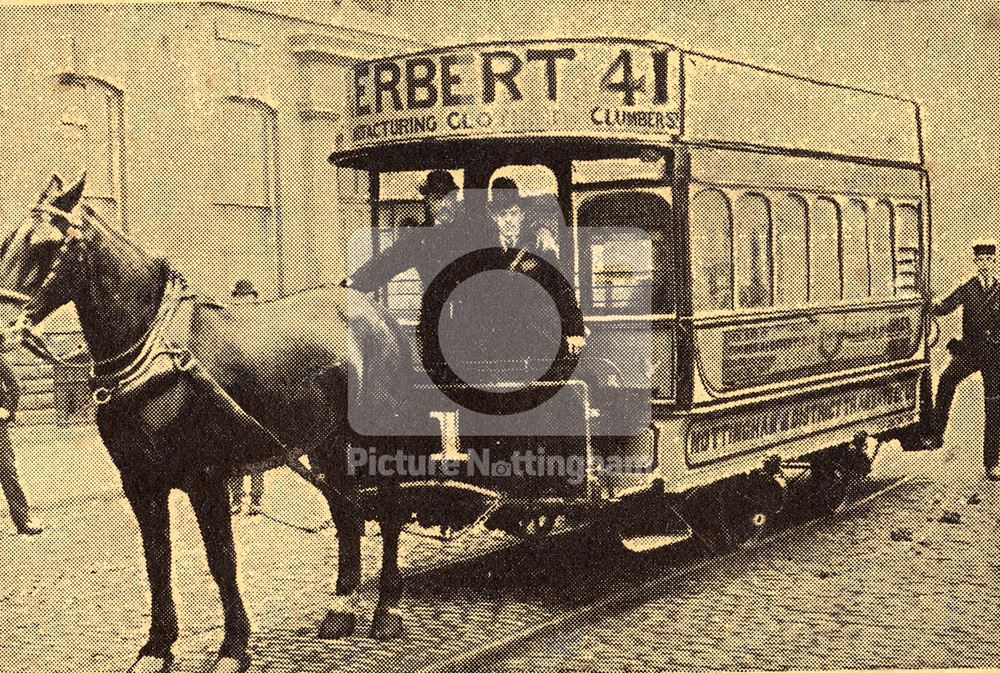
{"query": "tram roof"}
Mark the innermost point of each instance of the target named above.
(616, 89)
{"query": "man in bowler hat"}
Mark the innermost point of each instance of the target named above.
(417, 247)
(19, 511)
(977, 351)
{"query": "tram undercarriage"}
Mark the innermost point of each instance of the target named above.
(723, 505)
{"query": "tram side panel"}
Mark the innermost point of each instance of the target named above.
(809, 311)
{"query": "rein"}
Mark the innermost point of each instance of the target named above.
(139, 364)
(135, 356)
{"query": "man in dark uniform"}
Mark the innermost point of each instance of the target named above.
(19, 512)
(417, 247)
(519, 228)
(977, 351)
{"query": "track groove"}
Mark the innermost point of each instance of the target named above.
(475, 659)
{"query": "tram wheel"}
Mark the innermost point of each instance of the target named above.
(737, 526)
(829, 488)
(536, 526)
(745, 526)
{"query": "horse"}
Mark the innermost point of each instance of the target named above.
(187, 391)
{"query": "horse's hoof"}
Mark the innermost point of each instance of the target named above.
(337, 625)
(387, 624)
(231, 665)
(147, 664)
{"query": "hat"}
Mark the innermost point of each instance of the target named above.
(244, 289)
(505, 195)
(438, 183)
(984, 246)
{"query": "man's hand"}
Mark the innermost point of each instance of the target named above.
(576, 344)
(546, 242)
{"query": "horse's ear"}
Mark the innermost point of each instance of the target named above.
(54, 187)
(68, 199)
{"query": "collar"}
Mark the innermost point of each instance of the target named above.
(119, 367)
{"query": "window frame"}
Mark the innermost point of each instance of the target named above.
(867, 204)
(659, 283)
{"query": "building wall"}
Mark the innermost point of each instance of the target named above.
(204, 130)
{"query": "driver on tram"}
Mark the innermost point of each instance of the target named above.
(538, 235)
(417, 247)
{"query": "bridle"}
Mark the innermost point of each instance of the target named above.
(71, 250)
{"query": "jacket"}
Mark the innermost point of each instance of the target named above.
(980, 314)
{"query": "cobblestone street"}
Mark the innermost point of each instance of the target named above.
(907, 580)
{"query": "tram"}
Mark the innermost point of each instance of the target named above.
(754, 246)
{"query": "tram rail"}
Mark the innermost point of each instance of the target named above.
(479, 658)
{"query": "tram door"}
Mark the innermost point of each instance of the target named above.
(626, 278)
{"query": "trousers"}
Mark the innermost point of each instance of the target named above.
(16, 500)
(959, 369)
(256, 487)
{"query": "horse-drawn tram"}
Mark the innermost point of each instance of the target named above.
(748, 251)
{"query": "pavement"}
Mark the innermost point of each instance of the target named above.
(909, 580)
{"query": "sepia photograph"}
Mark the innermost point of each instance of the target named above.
(499, 336)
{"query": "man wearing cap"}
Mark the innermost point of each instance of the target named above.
(509, 210)
(977, 351)
(417, 248)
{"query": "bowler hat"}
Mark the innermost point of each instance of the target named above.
(505, 195)
(984, 246)
(438, 183)
(243, 288)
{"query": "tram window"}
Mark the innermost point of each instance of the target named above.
(652, 167)
(711, 251)
(907, 250)
(752, 253)
(400, 205)
(352, 185)
(854, 242)
(791, 250)
(405, 185)
(532, 181)
(629, 272)
(880, 226)
(824, 252)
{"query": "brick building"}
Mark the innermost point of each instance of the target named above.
(204, 130)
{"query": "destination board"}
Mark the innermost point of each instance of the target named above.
(731, 435)
(558, 88)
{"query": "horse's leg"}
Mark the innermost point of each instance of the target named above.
(210, 500)
(341, 619)
(152, 512)
(387, 622)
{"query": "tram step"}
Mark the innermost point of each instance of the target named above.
(644, 543)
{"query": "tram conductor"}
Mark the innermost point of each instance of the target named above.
(977, 351)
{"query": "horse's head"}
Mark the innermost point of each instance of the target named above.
(33, 257)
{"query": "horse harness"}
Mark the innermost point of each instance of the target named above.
(160, 354)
